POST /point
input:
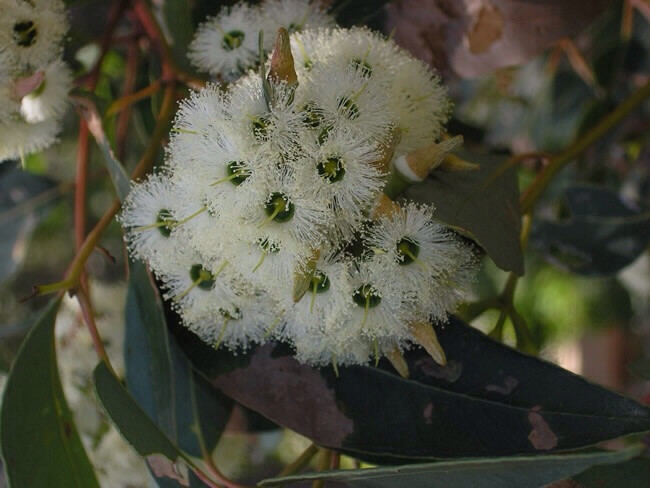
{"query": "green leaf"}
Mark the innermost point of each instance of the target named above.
(482, 204)
(40, 443)
(631, 474)
(88, 110)
(177, 16)
(22, 199)
(489, 400)
(603, 235)
(160, 377)
(357, 12)
(522, 472)
(136, 427)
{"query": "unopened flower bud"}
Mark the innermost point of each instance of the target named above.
(397, 360)
(282, 66)
(417, 165)
(425, 335)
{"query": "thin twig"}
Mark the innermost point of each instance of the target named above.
(300, 462)
(530, 198)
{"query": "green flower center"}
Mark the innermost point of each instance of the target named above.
(331, 169)
(237, 172)
(268, 246)
(278, 207)
(260, 127)
(362, 67)
(347, 107)
(320, 283)
(236, 315)
(232, 40)
(311, 116)
(24, 33)
(203, 278)
(408, 250)
(366, 296)
(165, 217)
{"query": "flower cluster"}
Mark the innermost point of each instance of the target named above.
(34, 81)
(227, 44)
(269, 218)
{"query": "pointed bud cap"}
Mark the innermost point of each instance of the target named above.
(417, 165)
(397, 360)
(453, 164)
(424, 335)
(282, 66)
(384, 207)
(302, 278)
(388, 150)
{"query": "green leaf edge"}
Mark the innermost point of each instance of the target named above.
(82, 466)
(599, 458)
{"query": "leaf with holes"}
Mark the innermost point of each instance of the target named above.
(489, 400)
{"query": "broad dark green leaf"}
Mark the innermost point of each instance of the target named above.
(603, 234)
(160, 377)
(482, 204)
(40, 443)
(136, 427)
(516, 472)
(22, 199)
(632, 474)
(489, 400)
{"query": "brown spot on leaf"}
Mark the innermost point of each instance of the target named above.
(289, 393)
(162, 467)
(541, 437)
(486, 30)
(428, 410)
(509, 384)
(450, 372)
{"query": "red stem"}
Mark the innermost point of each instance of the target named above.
(127, 89)
(80, 185)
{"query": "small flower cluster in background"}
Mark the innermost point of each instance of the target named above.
(227, 44)
(269, 218)
(34, 81)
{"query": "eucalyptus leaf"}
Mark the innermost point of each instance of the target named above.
(163, 457)
(634, 473)
(515, 472)
(39, 440)
(161, 378)
(603, 234)
(489, 400)
(481, 204)
(23, 204)
(178, 20)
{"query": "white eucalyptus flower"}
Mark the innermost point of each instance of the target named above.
(149, 222)
(227, 44)
(297, 15)
(18, 138)
(430, 263)
(31, 33)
